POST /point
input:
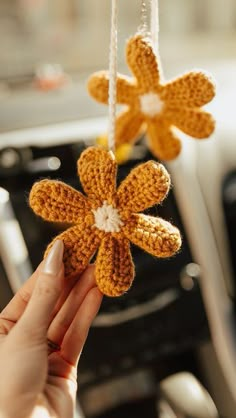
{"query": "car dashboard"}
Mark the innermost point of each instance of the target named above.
(179, 313)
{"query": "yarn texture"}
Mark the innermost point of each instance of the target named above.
(107, 219)
(155, 107)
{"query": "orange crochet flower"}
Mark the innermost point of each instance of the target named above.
(154, 107)
(108, 218)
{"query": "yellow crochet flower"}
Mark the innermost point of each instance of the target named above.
(155, 107)
(107, 218)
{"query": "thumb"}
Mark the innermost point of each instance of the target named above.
(37, 315)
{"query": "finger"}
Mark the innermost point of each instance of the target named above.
(67, 286)
(66, 314)
(15, 308)
(36, 317)
(77, 333)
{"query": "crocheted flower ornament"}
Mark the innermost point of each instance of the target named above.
(107, 218)
(155, 107)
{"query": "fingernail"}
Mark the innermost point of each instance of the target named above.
(53, 262)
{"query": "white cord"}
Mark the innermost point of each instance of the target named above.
(112, 76)
(143, 28)
(154, 23)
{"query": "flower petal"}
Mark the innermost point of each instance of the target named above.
(56, 201)
(145, 186)
(114, 266)
(193, 89)
(143, 62)
(154, 235)
(97, 170)
(163, 143)
(193, 122)
(128, 126)
(98, 85)
(80, 244)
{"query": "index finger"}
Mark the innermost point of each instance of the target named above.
(16, 307)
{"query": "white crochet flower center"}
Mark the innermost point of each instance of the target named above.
(107, 218)
(151, 104)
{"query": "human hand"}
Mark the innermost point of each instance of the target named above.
(34, 380)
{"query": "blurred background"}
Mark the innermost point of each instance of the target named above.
(41, 38)
(155, 351)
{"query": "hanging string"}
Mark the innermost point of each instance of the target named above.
(154, 24)
(112, 76)
(143, 28)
